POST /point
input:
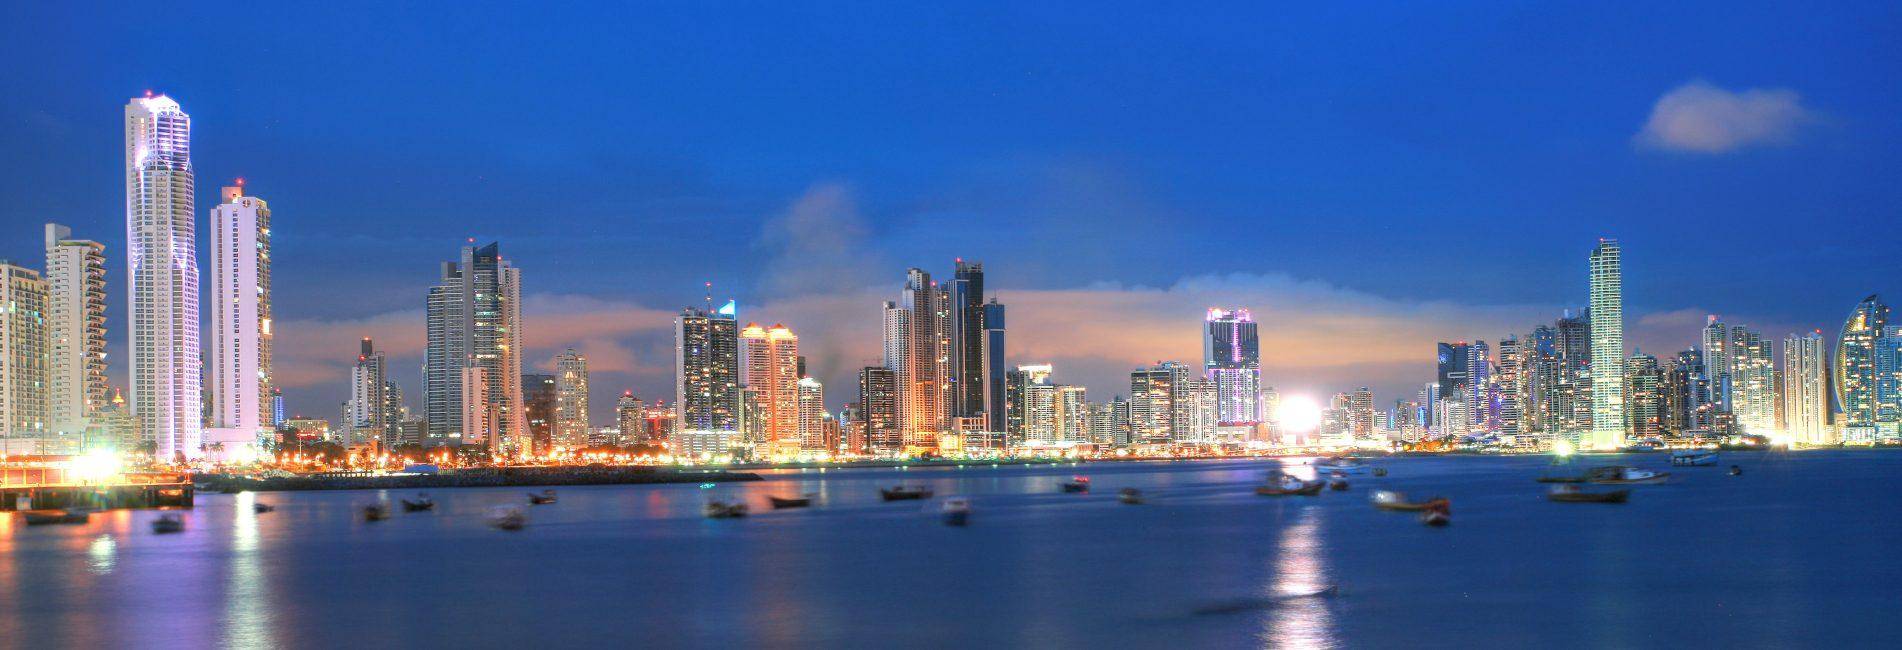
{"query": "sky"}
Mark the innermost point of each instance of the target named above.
(1368, 178)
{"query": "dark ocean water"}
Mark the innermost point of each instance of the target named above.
(1804, 549)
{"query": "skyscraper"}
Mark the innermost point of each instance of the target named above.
(1514, 385)
(75, 330)
(878, 409)
(630, 417)
(1451, 371)
(1805, 389)
(1360, 413)
(995, 402)
(240, 359)
(22, 352)
(811, 413)
(1159, 408)
(162, 265)
(918, 351)
(571, 400)
(1608, 345)
(968, 380)
(769, 366)
(1231, 357)
(1856, 361)
(1479, 385)
(707, 380)
(368, 411)
(474, 322)
(1643, 378)
(539, 399)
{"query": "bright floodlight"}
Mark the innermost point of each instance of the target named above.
(1298, 414)
(96, 465)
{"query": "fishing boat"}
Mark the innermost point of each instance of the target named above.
(1693, 458)
(1390, 500)
(1077, 484)
(422, 502)
(902, 493)
(508, 518)
(1284, 485)
(168, 523)
(789, 502)
(376, 512)
(545, 498)
(717, 509)
(1130, 496)
(956, 511)
(1437, 514)
(262, 508)
(1625, 475)
(1575, 494)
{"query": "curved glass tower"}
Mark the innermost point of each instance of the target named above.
(162, 249)
(1856, 375)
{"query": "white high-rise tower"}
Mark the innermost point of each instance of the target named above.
(240, 360)
(75, 330)
(1608, 345)
(161, 250)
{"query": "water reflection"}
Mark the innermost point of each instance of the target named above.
(1302, 618)
(102, 554)
(247, 616)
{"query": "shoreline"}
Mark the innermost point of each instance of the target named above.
(477, 478)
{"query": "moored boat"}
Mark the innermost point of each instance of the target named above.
(261, 508)
(1693, 458)
(1575, 494)
(1130, 496)
(1342, 464)
(1437, 514)
(1285, 485)
(376, 512)
(956, 511)
(1736, 470)
(1077, 484)
(508, 518)
(1337, 484)
(168, 523)
(45, 517)
(789, 502)
(902, 493)
(717, 509)
(1625, 475)
(1390, 500)
(422, 502)
(545, 498)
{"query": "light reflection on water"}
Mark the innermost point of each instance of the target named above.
(247, 617)
(102, 552)
(1300, 617)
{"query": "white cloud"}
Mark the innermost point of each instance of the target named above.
(1698, 117)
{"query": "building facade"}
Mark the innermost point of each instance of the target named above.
(238, 370)
(474, 322)
(1231, 357)
(162, 269)
(1608, 345)
(572, 430)
(75, 331)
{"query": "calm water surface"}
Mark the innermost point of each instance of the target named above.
(1800, 551)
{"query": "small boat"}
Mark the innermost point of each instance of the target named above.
(508, 518)
(545, 498)
(1077, 484)
(956, 511)
(1337, 484)
(902, 493)
(1560, 479)
(1736, 470)
(420, 504)
(45, 517)
(168, 523)
(1693, 458)
(1390, 500)
(376, 512)
(1342, 464)
(1575, 494)
(1624, 475)
(1380, 471)
(262, 508)
(1130, 496)
(790, 502)
(717, 509)
(1290, 486)
(1437, 514)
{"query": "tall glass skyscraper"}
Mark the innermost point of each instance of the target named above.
(1805, 403)
(162, 255)
(1231, 357)
(1856, 361)
(472, 365)
(1608, 345)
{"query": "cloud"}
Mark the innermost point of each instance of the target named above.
(819, 244)
(1698, 117)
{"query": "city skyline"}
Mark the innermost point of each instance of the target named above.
(1127, 238)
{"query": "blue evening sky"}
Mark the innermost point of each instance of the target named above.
(1445, 151)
